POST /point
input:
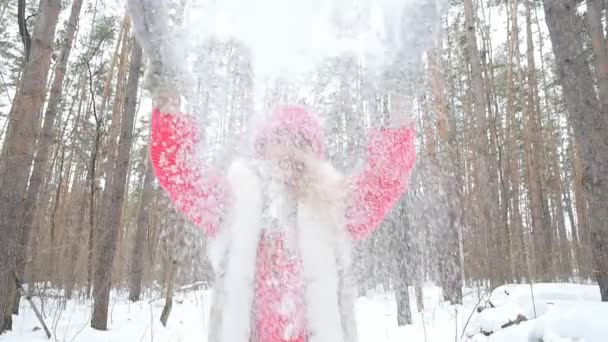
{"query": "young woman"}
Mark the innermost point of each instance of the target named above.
(281, 224)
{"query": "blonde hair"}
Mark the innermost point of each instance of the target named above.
(321, 187)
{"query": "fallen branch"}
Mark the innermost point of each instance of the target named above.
(476, 307)
(32, 304)
(194, 287)
(520, 318)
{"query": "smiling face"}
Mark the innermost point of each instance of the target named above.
(285, 151)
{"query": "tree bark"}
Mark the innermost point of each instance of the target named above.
(115, 198)
(559, 209)
(170, 281)
(76, 241)
(600, 51)
(91, 174)
(139, 239)
(419, 293)
(404, 310)
(582, 208)
(18, 150)
(575, 245)
(51, 269)
(590, 121)
(109, 149)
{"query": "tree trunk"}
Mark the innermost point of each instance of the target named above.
(560, 200)
(541, 229)
(590, 121)
(107, 85)
(75, 243)
(501, 237)
(419, 294)
(513, 163)
(582, 208)
(139, 239)
(404, 311)
(170, 281)
(115, 198)
(575, 245)
(453, 253)
(109, 149)
(51, 269)
(91, 174)
(93, 165)
(564, 246)
(46, 138)
(600, 52)
(80, 207)
(481, 142)
(18, 150)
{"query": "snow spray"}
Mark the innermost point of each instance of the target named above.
(290, 37)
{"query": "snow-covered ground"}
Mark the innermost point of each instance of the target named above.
(547, 313)
(566, 313)
(376, 313)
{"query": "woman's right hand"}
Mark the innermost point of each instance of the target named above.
(167, 75)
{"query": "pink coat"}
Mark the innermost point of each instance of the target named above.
(204, 195)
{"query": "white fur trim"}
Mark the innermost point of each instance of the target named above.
(324, 247)
(239, 245)
(320, 276)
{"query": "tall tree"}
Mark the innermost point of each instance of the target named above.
(513, 164)
(117, 182)
(18, 149)
(481, 141)
(541, 226)
(452, 259)
(590, 121)
(46, 140)
(96, 152)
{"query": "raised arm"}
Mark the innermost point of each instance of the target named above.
(198, 191)
(391, 152)
(374, 191)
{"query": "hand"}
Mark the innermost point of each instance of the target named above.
(167, 74)
(150, 20)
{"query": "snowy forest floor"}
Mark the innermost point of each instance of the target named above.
(376, 314)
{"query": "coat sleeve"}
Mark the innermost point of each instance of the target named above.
(374, 191)
(196, 190)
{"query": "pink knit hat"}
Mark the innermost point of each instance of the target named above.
(297, 123)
